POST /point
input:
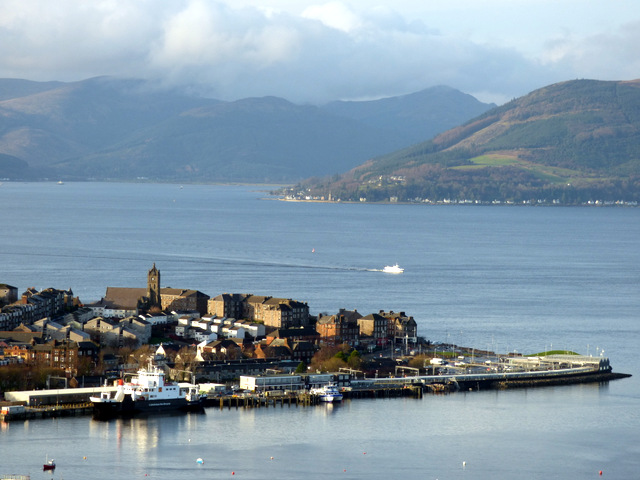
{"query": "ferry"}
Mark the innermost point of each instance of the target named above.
(393, 269)
(327, 393)
(147, 392)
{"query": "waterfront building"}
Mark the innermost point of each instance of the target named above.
(338, 329)
(267, 383)
(401, 327)
(231, 369)
(374, 326)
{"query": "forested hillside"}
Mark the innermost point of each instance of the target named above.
(570, 142)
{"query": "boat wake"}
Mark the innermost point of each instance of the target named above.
(220, 261)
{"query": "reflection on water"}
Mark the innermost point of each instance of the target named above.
(369, 438)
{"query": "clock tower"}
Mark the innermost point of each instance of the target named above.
(153, 287)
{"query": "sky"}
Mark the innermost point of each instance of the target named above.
(312, 52)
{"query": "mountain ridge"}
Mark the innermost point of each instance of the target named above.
(107, 128)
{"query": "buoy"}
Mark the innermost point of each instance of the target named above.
(84, 458)
(233, 473)
(271, 458)
(464, 464)
(364, 453)
(600, 472)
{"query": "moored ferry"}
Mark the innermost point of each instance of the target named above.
(147, 392)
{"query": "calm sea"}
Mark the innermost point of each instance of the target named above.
(522, 279)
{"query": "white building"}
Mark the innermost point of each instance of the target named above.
(260, 383)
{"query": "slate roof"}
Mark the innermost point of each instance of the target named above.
(122, 297)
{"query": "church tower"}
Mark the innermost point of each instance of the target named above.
(153, 287)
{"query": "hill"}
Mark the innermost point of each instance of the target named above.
(567, 143)
(108, 128)
(417, 116)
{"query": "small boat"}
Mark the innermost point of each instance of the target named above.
(49, 465)
(327, 393)
(393, 269)
(148, 392)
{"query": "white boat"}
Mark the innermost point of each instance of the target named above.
(393, 269)
(147, 392)
(327, 393)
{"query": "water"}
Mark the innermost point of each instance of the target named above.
(506, 279)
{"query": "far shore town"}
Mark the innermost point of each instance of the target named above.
(50, 340)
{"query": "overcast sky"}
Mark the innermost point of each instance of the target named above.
(313, 51)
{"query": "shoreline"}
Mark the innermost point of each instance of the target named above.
(376, 388)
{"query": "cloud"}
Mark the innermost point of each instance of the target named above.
(320, 53)
(610, 55)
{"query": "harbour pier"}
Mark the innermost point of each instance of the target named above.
(520, 373)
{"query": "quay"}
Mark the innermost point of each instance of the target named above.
(252, 400)
(49, 411)
(551, 370)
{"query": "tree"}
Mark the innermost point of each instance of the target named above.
(354, 360)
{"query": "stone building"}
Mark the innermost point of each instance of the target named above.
(63, 355)
(374, 326)
(153, 288)
(184, 300)
(8, 294)
(229, 305)
(124, 302)
(339, 329)
(272, 312)
(34, 305)
(401, 327)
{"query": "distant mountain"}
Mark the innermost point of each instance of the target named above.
(257, 139)
(570, 142)
(418, 116)
(107, 128)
